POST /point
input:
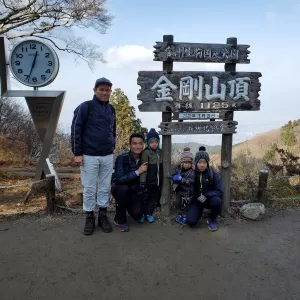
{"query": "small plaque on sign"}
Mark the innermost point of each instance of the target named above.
(41, 110)
(197, 116)
(184, 128)
(199, 52)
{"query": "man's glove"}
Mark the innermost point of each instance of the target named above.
(202, 198)
(177, 178)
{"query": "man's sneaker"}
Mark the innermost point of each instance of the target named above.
(183, 221)
(142, 219)
(150, 219)
(212, 225)
(122, 227)
(89, 225)
(178, 219)
(103, 221)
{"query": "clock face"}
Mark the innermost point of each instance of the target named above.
(34, 63)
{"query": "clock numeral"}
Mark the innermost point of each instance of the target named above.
(41, 48)
(34, 79)
(19, 55)
(33, 46)
(17, 63)
(47, 55)
(48, 71)
(49, 63)
(43, 77)
(20, 71)
(26, 77)
(23, 49)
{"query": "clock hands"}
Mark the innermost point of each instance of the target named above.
(33, 64)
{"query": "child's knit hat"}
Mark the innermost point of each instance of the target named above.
(152, 134)
(201, 154)
(186, 155)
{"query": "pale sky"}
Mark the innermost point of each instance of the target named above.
(270, 27)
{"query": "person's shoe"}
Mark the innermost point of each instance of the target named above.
(178, 219)
(142, 219)
(150, 219)
(103, 221)
(122, 227)
(183, 221)
(89, 225)
(212, 225)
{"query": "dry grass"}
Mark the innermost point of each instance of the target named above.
(11, 199)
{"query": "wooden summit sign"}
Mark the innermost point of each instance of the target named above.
(194, 52)
(196, 95)
(184, 128)
(196, 91)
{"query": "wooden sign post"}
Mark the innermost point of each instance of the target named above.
(198, 96)
(226, 150)
(165, 199)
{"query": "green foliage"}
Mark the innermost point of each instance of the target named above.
(137, 127)
(287, 134)
(244, 176)
(270, 153)
(245, 173)
(127, 123)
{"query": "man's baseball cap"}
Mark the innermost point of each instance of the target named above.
(103, 80)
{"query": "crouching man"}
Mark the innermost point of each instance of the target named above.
(126, 184)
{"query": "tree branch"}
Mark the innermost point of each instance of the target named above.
(16, 11)
(16, 26)
(41, 17)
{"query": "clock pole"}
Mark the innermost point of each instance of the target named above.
(4, 70)
(44, 106)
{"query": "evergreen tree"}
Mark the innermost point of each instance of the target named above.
(127, 123)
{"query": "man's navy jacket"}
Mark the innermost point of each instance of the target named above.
(125, 170)
(93, 132)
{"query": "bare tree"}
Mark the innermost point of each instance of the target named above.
(53, 20)
(17, 127)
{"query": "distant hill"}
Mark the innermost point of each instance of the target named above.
(256, 147)
(177, 147)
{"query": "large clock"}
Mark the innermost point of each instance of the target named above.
(34, 63)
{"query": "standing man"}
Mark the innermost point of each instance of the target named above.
(93, 134)
(126, 187)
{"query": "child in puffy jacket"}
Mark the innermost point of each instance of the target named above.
(151, 181)
(208, 192)
(185, 178)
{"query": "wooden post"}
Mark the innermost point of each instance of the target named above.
(50, 193)
(262, 186)
(226, 151)
(166, 147)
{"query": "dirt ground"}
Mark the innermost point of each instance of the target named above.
(49, 258)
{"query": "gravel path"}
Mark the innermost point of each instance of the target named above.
(50, 258)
